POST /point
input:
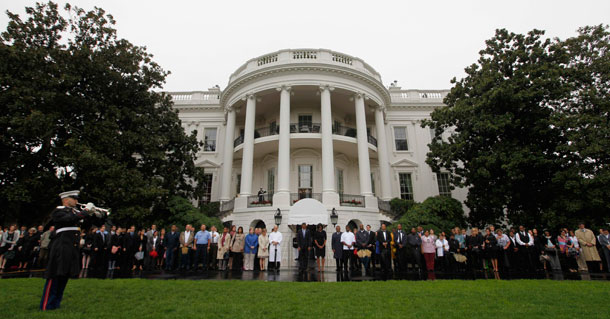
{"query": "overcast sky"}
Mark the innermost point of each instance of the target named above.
(422, 44)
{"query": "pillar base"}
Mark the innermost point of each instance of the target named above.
(281, 199)
(370, 201)
(330, 199)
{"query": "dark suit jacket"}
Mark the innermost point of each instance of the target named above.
(128, 242)
(381, 240)
(100, 242)
(337, 246)
(149, 244)
(397, 234)
(303, 241)
(172, 241)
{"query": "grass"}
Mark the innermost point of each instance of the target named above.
(140, 298)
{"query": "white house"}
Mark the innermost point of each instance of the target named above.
(312, 123)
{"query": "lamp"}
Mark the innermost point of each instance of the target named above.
(278, 217)
(334, 218)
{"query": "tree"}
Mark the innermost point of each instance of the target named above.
(79, 110)
(440, 213)
(181, 212)
(583, 116)
(528, 130)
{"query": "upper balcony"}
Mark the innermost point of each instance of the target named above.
(304, 56)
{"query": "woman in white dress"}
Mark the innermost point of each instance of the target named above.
(263, 248)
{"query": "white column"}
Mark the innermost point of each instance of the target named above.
(382, 154)
(248, 150)
(227, 165)
(363, 147)
(329, 193)
(282, 196)
(200, 136)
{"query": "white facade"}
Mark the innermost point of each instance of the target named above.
(312, 123)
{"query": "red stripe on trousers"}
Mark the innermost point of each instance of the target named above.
(46, 294)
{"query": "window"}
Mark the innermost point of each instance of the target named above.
(238, 183)
(339, 181)
(336, 127)
(209, 143)
(443, 184)
(305, 181)
(270, 181)
(206, 193)
(406, 187)
(305, 124)
(400, 138)
(373, 183)
(273, 128)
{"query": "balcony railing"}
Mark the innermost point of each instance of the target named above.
(351, 200)
(260, 201)
(344, 131)
(227, 206)
(304, 127)
(266, 131)
(372, 140)
(295, 197)
(238, 141)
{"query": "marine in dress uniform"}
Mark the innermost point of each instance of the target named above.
(64, 255)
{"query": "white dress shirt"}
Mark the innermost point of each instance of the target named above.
(349, 239)
(442, 245)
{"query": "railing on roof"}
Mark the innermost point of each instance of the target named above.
(322, 56)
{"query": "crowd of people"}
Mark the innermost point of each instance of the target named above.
(119, 251)
(470, 252)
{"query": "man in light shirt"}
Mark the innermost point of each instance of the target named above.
(214, 236)
(348, 240)
(202, 246)
(186, 245)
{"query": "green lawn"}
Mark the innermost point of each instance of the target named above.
(136, 298)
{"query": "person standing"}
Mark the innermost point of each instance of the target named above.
(237, 249)
(113, 253)
(172, 242)
(586, 240)
(224, 246)
(337, 247)
(64, 254)
(525, 244)
(319, 242)
(275, 248)
(442, 252)
(490, 246)
(214, 236)
(384, 237)
(202, 246)
(400, 240)
(414, 241)
(428, 248)
(474, 242)
(263, 249)
(45, 240)
(362, 242)
(304, 242)
(187, 241)
(604, 241)
(250, 249)
(153, 244)
(348, 240)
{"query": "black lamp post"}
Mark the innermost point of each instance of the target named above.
(278, 217)
(334, 218)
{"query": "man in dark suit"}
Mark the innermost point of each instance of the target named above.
(171, 242)
(372, 247)
(100, 249)
(385, 239)
(303, 246)
(400, 240)
(337, 247)
(362, 242)
(414, 242)
(128, 251)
